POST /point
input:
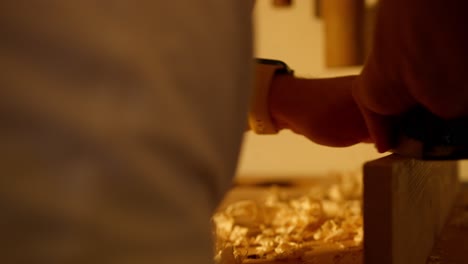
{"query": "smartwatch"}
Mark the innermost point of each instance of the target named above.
(260, 120)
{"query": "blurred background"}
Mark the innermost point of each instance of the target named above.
(316, 41)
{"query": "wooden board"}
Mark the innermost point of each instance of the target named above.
(406, 203)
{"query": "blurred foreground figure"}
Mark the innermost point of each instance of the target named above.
(111, 150)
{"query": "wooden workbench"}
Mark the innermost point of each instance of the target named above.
(258, 188)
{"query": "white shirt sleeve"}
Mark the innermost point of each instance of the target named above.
(121, 123)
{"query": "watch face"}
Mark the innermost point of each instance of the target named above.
(284, 67)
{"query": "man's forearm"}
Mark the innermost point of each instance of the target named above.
(323, 110)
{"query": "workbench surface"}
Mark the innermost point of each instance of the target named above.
(451, 247)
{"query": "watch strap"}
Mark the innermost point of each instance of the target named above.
(260, 119)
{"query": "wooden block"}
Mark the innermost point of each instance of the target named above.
(406, 203)
(452, 245)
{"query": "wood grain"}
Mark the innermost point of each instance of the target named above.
(406, 203)
(452, 246)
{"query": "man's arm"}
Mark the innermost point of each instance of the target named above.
(418, 58)
(323, 110)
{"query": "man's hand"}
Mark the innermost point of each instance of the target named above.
(419, 57)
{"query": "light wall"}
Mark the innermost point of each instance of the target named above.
(294, 35)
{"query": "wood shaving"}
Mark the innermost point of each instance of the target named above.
(282, 226)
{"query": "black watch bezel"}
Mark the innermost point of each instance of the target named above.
(284, 67)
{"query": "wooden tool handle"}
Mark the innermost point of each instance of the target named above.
(343, 29)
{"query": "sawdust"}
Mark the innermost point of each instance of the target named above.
(281, 226)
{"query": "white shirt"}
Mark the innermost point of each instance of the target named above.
(121, 123)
